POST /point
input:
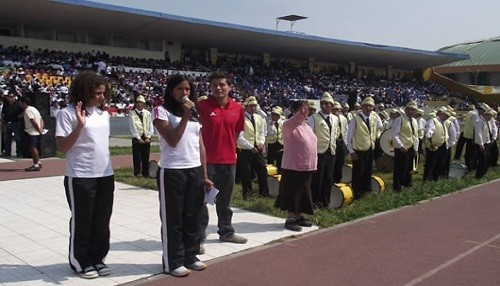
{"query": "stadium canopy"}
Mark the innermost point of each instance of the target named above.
(227, 38)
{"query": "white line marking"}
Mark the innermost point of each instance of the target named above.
(451, 261)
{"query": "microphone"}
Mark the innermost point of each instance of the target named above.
(194, 112)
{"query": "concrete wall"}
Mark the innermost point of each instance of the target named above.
(119, 126)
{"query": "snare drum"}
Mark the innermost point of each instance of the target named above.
(378, 185)
(153, 168)
(271, 170)
(346, 174)
(340, 196)
(273, 183)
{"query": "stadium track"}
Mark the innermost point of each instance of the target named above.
(452, 240)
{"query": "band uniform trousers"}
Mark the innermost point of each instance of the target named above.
(362, 170)
(322, 180)
(248, 161)
(181, 198)
(434, 163)
(403, 165)
(91, 202)
(482, 160)
(445, 168)
(493, 154)
(470, 155)
(140, 154)
(460, 146)
(340, 154)
(274, 154)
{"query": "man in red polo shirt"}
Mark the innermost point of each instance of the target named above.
(222, 120)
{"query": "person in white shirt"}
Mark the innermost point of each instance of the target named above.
(33, 127)
(82, 133)
(493, 128)
(482, 141)
(182, 177)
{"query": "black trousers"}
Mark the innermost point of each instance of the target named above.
(470, 155)
(322, 180)
(91, 202)
(403, 166)
(340, 153)
(181, 196)
(493, 154)
(140, 154)
(460, 146)
(481, 160)
(246, 161)
(433, 165)
(445, 164)
(274, 154)
(362, 169)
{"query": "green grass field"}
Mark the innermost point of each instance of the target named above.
(371, 204)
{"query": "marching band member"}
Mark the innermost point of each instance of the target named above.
(481, 142)
(435, 147)
(421, 131)
(341, 150)
(251, 148)
(345, 111)
(493, 130)
(325, 126)
(405, 140)
(469, 122)
(275, 137)
(361, 134)
(452, 136)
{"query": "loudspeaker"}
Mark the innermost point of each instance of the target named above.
(48, 142)
(41, 101)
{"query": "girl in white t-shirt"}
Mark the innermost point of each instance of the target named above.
(82, 132)
(182, 178)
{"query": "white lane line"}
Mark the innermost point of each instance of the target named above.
(452, 261)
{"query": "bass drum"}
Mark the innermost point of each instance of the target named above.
(386, 143)
(153, 168)
(378, 185)
(274, 185)
(346, 174)
(457, 170)
(340, 196)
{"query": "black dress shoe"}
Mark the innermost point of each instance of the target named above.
(304, 222)
(291, 224)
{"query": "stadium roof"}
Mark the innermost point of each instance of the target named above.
(227, 38)
(483, 52)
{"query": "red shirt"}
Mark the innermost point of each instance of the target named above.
(221, 127)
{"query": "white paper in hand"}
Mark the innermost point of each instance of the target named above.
(210, 196)
(45, 131)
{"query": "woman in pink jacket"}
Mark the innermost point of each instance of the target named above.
(298, 164)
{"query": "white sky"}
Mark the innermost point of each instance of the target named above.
(420, 24)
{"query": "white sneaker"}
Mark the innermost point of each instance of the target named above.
(198, 266)
(180, 272)
(102, 269)
(89, 273)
